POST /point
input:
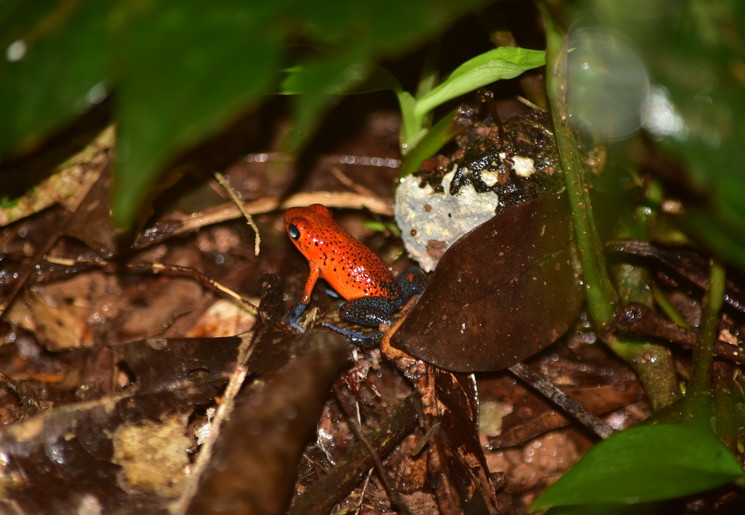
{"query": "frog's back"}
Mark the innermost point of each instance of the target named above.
(351, 268)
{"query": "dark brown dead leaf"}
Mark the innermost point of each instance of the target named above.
(686, 263)
(81, 458)
(135, 368)
(641, 320)
(458, 472)
(99, 236)
(24, 247)
(506, 290)
(254, 464)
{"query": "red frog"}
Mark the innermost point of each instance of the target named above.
(372, 294)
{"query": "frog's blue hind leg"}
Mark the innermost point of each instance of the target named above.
(366, 341)
(369, 311)
(366, 311)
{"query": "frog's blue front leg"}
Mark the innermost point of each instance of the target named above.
(293, 316)
(363, 340)
(368, 311)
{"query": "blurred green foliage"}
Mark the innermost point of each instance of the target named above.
(694, 52)
(179, 71)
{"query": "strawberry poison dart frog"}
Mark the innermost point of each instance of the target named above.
(372, 294)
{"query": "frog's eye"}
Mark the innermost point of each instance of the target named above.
(293, 231)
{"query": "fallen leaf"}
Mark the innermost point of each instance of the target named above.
(503, 292)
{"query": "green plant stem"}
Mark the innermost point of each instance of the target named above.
(411, 126)
(443, 131)
(703, 354)
(668, 308)
(652, 363)
(601, 297)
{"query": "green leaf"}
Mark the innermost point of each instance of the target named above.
(606, 509)
(643, 464)
(379, 79)
(411, 125)
(185, 70)
(54, 68)
(498, 64)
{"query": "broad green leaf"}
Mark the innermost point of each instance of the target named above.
(498, 64)
(606, 509)
(643, 464)
(54, 67)
(185, 69)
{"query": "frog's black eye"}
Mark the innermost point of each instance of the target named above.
(293, 231)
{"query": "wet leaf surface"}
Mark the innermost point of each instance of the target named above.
(506, 290)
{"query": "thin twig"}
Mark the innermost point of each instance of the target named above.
(349, 183)
(364, 491)
(187, 223)
(393, 494)
(239, 204)
(566, 403)
(157, 268)
(327, 490)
